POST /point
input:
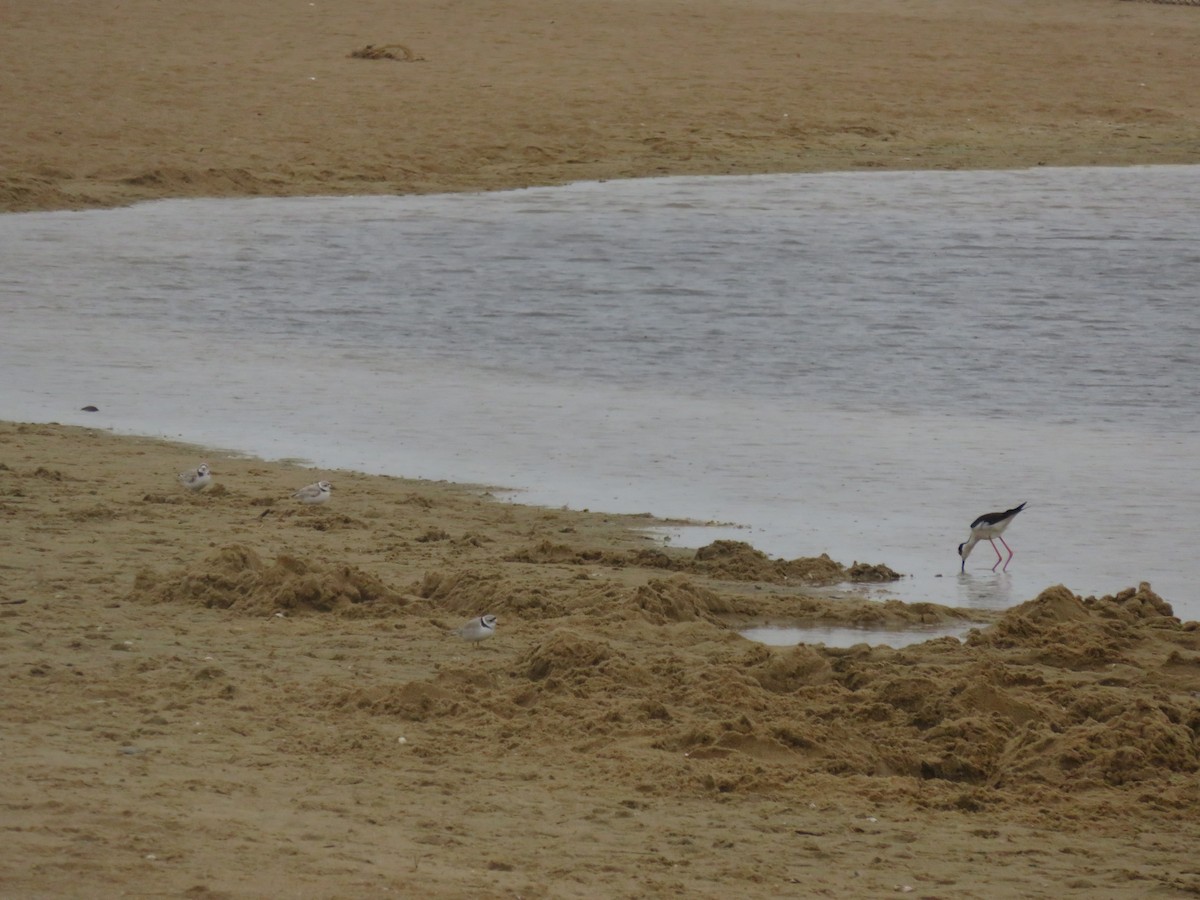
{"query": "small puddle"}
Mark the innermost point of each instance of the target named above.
(848, 636)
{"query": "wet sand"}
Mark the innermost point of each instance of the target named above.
(226, 694)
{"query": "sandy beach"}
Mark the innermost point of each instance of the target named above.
(150, 99)
(226, 693)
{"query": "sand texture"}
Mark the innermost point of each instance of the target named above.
(106, 104)
(226, 694)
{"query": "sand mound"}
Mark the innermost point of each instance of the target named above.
(464, 591)
(385, 51)
(786, 671)
(1134, 604)
(566, 656)
(1102, 739)
(679, 600)
(235, 577)
(1019, 703)
(984, 716)
(550, 553)
(1061, 629)
(738, 561)
(720, 560)
(472, 591)
(417, 701)
(658, 601)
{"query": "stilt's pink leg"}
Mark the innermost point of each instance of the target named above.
(999, 558)
(1010, 554)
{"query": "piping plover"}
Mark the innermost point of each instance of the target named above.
(197, 480)
(314, 493)
(478, 629)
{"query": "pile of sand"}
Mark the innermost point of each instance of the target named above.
(1039, 697)
(998, 714)
(725, 560)
(235, 577)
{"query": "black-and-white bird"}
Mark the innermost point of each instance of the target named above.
(989, 527)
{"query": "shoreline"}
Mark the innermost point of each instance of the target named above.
(31, 194)
(123, 200)
(640, 525)
(616, 530)
(682, 532)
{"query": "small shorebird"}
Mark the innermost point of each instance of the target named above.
(197, 480)
(314, 493)
(988, 527)
(477, 629)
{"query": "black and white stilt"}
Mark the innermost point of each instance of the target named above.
(989, 527)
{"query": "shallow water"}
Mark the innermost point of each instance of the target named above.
(857, 364)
